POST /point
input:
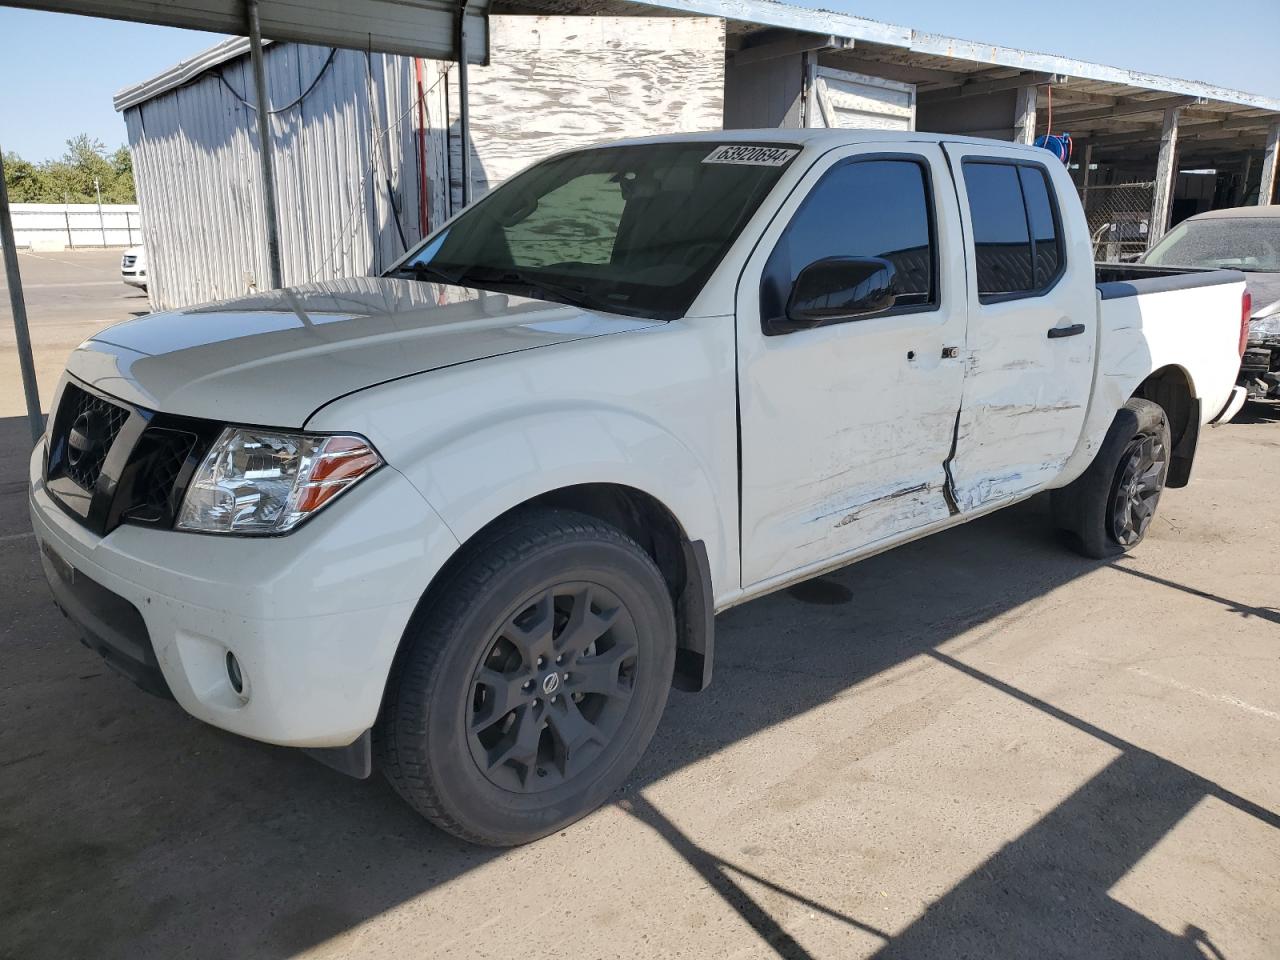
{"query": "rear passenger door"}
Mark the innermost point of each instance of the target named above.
(846, 427)
(1032, 324)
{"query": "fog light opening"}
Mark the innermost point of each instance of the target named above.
(234, 674)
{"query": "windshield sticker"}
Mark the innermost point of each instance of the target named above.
(756, 156)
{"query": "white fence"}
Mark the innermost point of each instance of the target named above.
(74, 225)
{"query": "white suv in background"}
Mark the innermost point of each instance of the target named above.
(133, 267)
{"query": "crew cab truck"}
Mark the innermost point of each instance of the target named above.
(473, 519)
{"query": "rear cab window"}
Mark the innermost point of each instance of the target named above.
(1017, 233)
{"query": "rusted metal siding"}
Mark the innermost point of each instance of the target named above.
(347, 137)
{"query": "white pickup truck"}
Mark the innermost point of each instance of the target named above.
(472, 520)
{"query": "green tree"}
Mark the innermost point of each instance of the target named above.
(24, 180)
(72, 177)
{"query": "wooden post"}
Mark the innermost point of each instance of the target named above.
(1085, 164)
(1024, 115)
(1166, 176)
(1270, 159)
(1242, 185)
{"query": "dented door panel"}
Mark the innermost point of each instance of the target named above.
(846, 428)
(1026, 390)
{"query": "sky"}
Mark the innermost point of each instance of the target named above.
(59, 72)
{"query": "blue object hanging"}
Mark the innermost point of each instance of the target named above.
(1057, 144)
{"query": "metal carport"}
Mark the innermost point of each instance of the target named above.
(440, 29)
(1119, 118)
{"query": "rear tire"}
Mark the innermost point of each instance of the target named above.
(1107, 510)
(531, 680)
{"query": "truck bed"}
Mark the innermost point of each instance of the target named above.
(1169, 318)
(1116, 280)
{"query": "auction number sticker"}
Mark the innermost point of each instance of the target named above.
(751, 154)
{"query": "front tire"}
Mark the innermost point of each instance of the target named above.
(532, 679)
(1107, 510)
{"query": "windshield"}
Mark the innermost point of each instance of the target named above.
(1243, 243)
(631, 229)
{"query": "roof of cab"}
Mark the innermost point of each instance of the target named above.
(821, 137)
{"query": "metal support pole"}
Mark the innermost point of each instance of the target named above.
(21, 332)
(266, 148)
(464, 105)
(66, 218)
(1166, 176)
(1270, 160)
(102, 228)
(1024, 116)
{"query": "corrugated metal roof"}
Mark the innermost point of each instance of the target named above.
(412, 28)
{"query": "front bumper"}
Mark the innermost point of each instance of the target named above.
(314, 618)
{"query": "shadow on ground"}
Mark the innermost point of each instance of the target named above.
(128, 829)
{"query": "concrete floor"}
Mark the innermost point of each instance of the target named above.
(979, 745)
(70, 296)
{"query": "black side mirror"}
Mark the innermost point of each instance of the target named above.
(841, 288)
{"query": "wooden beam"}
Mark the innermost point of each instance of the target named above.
(773, 49)
(1187, 131)
(1270, 161)
(1069, 95)
(902, 72)
(1128, 108)
(1166, 175)
(1024, 116)
(976, 88)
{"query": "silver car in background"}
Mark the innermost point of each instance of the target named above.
(1245, 239)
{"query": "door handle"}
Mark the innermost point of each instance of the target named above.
(1056, 333)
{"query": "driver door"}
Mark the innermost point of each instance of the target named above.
(846, 426)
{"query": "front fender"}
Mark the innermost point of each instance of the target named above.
(484, 469)
(652, 410)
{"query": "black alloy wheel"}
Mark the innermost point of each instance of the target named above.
(553, 687)
(1137, 489)
(531, 678)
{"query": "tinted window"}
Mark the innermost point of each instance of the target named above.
(868, 208)
(1044, 230)
(627, 229)
(1015, 234)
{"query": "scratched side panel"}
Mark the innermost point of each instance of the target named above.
(846, 428)
(1025, 394)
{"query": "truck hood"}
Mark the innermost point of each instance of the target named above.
(275, 358)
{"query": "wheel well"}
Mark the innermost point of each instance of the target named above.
(682, 562)
(1171, 388)
(640, 516)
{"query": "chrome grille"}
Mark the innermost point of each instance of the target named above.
(166, 454)
(82, 410)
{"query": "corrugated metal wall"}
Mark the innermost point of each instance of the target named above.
(347, 153)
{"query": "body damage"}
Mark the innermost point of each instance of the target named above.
(844, 440)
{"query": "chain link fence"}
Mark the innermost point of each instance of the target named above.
(1119, 216)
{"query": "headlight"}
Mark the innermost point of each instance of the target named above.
(264, 481)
